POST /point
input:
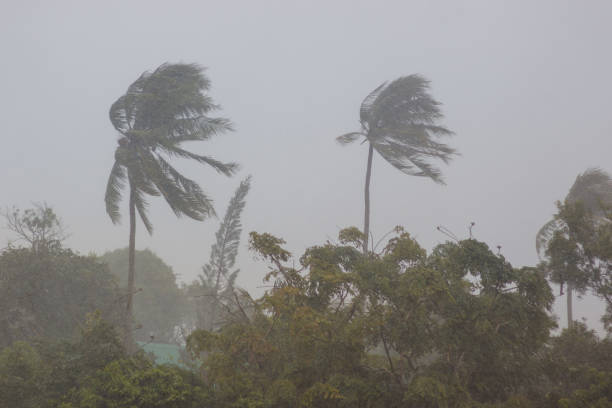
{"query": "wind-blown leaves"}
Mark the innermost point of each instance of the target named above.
(217, 277)
(546, 233)
(593, 189)
(400, 120)
(116, 182)
(161, 110)
(349, 137)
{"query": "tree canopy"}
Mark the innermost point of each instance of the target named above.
(158, 303)
(454, 328)
(47, 294)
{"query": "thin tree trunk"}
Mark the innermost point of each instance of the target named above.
(213, 308)
(570, 317)
(131, 254)
(366, 217)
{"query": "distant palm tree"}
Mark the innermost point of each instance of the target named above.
(400, 120)
(593, 189)
(159, 112)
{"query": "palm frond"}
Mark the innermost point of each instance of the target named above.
(112, 197)
(593, 189)
(405, 101)
(184, 196)
(348, 137)
(368, 102)
(227, 169)
(124, 112)
(142, 205)
(546, 233)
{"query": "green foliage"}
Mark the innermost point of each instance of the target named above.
(134, 382)
(159, 303)
(581, 254)
(597, 395)
(215, 289)
(577, 364)
(40, 374)
(585, 206)
(268, 246)
(92, 372)
(592, 190)
(159, 112)
(400, 119)
(39, 227)
(47, 294)
(459, 327)
(398, 328)
(20, 376)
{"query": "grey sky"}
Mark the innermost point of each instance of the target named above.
(525, 85)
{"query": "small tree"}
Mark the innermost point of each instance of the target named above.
(38, 226)
(590, 196)
(218, 276)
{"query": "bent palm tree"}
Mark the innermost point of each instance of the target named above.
(593, 189)
(159, 112)
(400, 120)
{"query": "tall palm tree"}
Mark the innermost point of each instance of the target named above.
(400, 120)
(593, 189)
(159, 112)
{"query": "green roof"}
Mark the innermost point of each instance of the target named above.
(164, 353)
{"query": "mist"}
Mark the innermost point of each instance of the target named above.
(524, 86)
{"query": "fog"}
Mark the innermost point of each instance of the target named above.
(525, 87)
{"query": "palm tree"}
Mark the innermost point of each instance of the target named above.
(593, 189)
(400, 120)
(159, 112)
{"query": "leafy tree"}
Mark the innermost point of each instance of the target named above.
(39, 227)
(391, 329)
(578, 369)
(159, 303)
(216, 285)
(20, 376)
(47, 294)
(137, 383)
(581, 254)
(159, 112)
(42, 372)
(592, 191)
(93, 371)
(400, 120)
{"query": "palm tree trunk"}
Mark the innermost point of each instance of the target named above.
(366, 216)
(570, 317)
(131, 255)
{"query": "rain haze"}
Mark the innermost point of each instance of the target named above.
(525, 87)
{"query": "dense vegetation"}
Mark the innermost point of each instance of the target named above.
(341, 325)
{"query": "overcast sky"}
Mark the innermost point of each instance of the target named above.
(525, 86)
